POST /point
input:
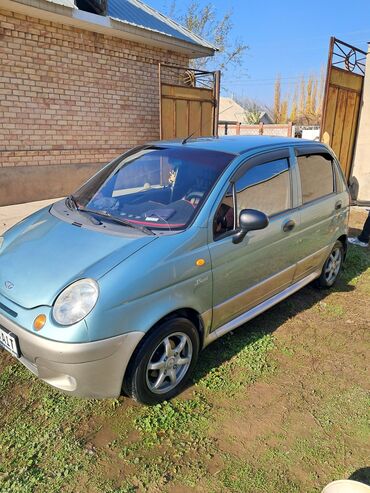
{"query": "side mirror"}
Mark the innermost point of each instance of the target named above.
(250, 220)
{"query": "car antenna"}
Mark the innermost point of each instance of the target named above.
(191, 135)
(188, 137)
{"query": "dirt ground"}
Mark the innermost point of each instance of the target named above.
(280, 406)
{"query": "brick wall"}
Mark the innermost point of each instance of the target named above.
(69, 96)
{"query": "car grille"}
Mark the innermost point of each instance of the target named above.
(8, 310)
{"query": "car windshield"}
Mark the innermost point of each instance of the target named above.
(161, 188)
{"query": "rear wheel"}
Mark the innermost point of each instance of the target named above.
(164, 362)
(332, 266)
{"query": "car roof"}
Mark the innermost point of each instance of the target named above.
(236, 144)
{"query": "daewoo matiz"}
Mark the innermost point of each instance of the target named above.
(168, 247)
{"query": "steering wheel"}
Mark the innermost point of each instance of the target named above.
(193, 195)
(224, 219)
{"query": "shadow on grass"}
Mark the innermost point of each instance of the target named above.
(361, 475)
(357, 262)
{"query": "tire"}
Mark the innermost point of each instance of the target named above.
(332, 267)
(163, 363)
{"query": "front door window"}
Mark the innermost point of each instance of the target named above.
(265, 187)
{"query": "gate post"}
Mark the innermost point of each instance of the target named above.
(326, 89)
(342, 100)
(160, 101)
(216, 90)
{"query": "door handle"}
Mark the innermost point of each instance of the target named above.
(338, 205)
(288, 225)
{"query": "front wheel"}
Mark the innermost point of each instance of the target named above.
(164, 362)
(332, 266)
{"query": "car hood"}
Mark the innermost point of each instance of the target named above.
(43, 254)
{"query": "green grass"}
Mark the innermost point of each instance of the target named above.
(174, 417)
(240, 475)
(39, 450)
(330, 309)
(357, 265)
(245, 359)
(349, 412)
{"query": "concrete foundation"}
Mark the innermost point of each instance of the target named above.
(20, 184)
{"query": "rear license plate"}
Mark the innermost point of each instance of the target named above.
(9, 342)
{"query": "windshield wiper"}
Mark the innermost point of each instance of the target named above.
(72, 202)
(73, 205)
(119, 220)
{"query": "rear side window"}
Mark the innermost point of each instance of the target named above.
(265, 187)
(316, 171)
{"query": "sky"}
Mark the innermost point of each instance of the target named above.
(285, 37)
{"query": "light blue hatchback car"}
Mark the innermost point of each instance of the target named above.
(168, 247)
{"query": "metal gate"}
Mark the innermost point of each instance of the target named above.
(189, 106)
(343, 92)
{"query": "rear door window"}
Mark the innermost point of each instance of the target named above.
(316, 172)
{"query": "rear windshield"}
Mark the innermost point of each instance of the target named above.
(160, 188)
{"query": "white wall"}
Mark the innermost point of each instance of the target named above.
(361, 163)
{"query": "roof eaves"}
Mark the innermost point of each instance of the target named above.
(197, 39)
(165, 39)
(64, 3)
(66, 12)
(124, 21)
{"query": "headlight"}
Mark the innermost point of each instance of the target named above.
(75, 302)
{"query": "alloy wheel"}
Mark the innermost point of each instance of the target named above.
(169, 363)
(333, 265)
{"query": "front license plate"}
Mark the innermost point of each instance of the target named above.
(9, 342)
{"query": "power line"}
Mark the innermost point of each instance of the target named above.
(267, 81)
(250, 80)
(281, 78)
(239, 83)
(315, 38)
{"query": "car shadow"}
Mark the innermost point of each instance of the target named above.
(361, 475)
(223, 349)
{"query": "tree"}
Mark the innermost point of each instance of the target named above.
(203, 21)
(306, 103)
(277, 100)
(253, 109)
(284, 111)
(252, 115)
(302, 97)
(294, 109)
(311, 97)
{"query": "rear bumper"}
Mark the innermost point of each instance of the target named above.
(91, 369)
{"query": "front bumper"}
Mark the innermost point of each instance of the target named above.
(91, 369)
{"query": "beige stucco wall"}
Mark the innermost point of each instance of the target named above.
(361, 164)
